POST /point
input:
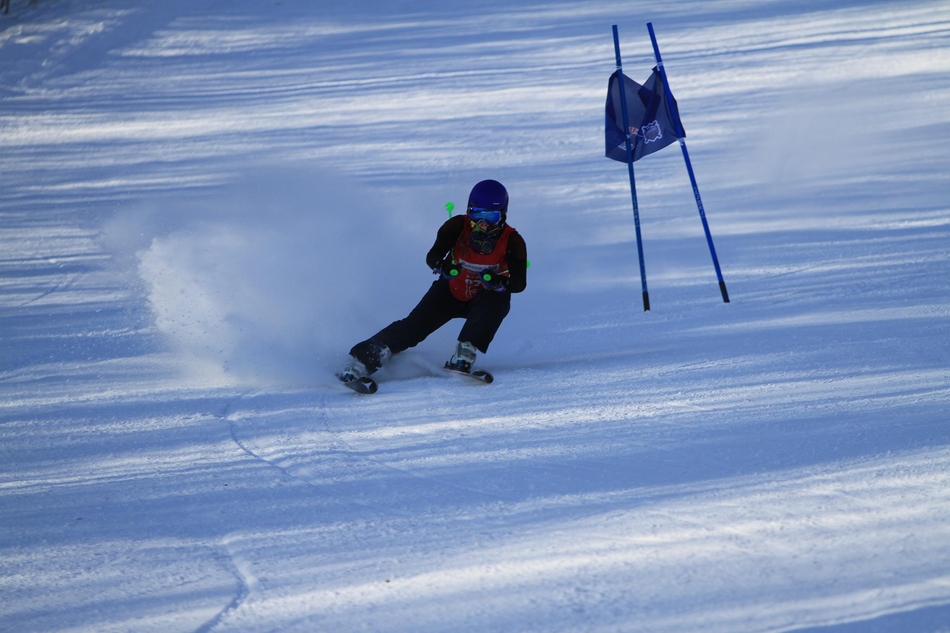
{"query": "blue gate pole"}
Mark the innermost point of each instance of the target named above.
(681, 137)
(633, 184)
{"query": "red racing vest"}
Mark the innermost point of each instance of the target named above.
(472, 263)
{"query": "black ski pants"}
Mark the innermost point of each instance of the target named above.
(483, 316)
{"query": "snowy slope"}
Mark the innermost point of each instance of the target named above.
(205, 203)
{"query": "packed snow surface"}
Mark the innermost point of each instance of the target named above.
(206, 203)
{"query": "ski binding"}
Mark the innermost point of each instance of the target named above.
(362, 385)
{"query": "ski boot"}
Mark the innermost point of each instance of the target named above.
(353, 371)
(463, 358)
(366, 358)
(462, 361)
(355, 376)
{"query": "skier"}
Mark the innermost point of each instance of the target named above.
(481, 261)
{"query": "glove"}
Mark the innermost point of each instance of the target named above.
(449, 269)
(493, 281)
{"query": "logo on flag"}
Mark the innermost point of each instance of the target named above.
(652, 132)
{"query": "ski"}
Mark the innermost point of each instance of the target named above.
(478, 374)
(362, 385)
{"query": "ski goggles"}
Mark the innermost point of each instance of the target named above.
(490, 216)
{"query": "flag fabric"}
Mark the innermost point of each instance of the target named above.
(651, 114)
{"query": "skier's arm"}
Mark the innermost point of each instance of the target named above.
(445, 240)
(517, 257)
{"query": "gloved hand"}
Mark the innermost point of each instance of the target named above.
(493, 281)
(449, 269)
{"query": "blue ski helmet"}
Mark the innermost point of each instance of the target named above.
(486, 197)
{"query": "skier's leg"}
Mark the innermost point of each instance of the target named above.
(484, 316)
(434, 310)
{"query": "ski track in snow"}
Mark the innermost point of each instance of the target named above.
(244, 589)
(327, 444)
(182, 181)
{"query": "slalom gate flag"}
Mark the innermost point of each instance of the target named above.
(651, 113)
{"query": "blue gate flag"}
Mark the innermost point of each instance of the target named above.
(652, 114)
